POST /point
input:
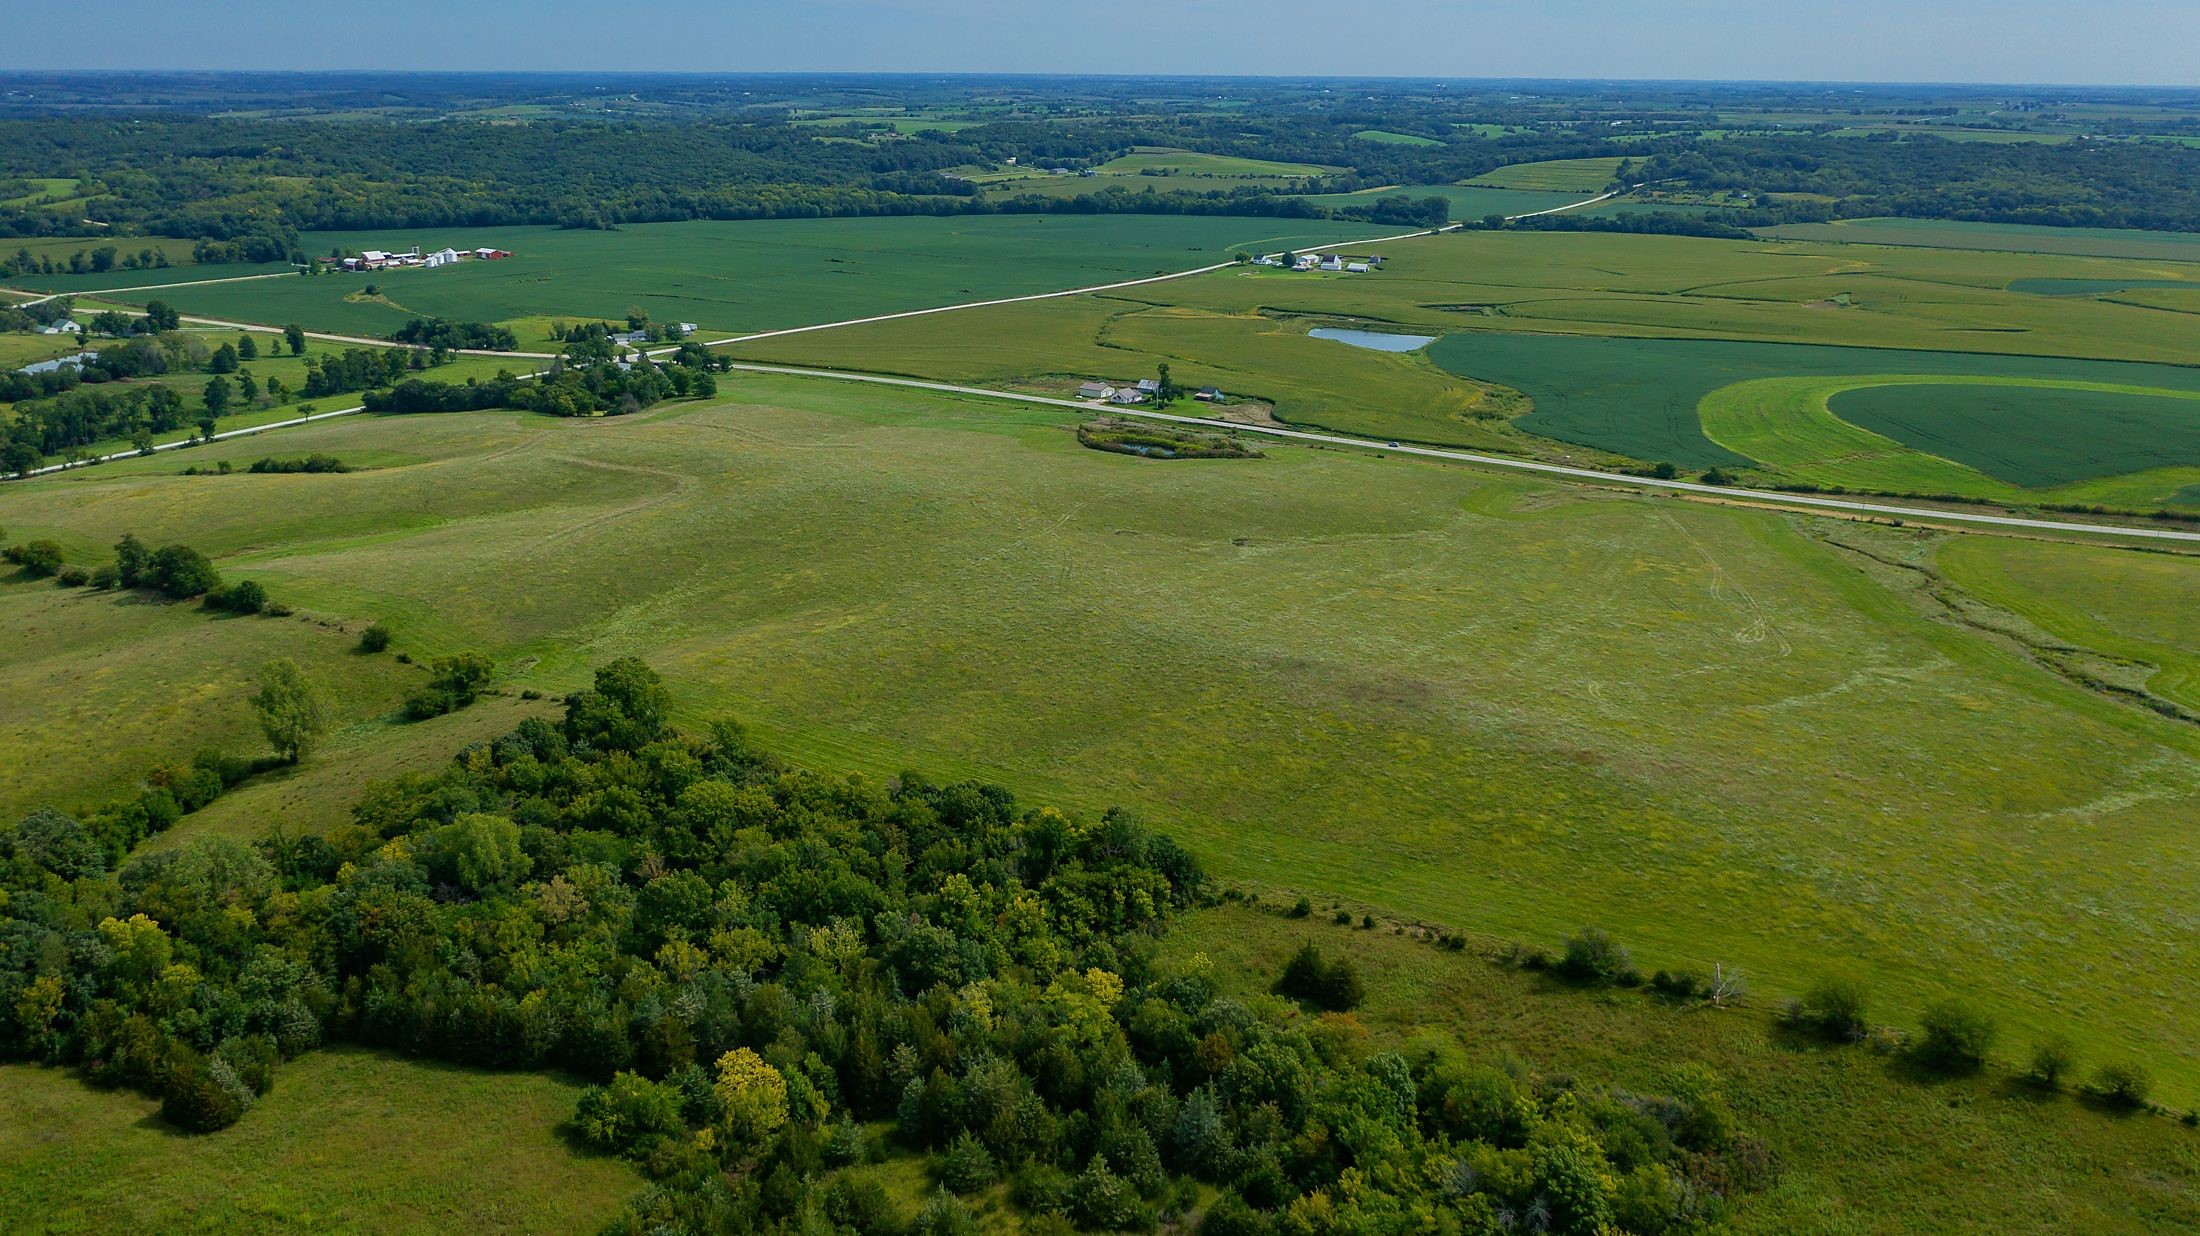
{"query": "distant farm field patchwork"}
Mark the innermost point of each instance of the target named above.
(1466, 201)
(2007, 237)
(735, 276)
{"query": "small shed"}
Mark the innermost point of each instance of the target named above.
(1209, 394)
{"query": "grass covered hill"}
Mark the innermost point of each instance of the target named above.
(1419, 707)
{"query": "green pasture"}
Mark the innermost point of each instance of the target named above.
(742, 276)
(105, 685)
(1192, 162)
(1571, 175)
(1862, 1144)
(2133, 609)
(1385, 137)
(44, 187)
(60, 248)
(348, 1140)
(1499, 704)
(2011, 237)
(1467, 202)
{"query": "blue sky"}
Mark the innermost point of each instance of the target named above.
(2153, 42)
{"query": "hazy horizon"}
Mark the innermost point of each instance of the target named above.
(2137, 43)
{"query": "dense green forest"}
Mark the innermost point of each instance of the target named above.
(775, 973)
(246, 187)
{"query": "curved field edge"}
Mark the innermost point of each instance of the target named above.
(1789, 424)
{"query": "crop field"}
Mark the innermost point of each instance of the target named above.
(743, 276)
(2034, 436)
(2010, 237)
(1572, 175)
(1503, 705)
(1860, 1146)
(348, 1140)
(1595, 383)
(2005, 422)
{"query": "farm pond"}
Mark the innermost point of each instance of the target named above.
(1377, 341)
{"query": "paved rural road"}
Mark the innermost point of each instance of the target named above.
(150, 287)
(169, 446)
(1728, 492)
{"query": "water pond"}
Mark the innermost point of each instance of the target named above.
(1374, 340)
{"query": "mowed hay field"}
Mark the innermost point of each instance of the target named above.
(734, 276)
(1497, 704)
(348, 1140)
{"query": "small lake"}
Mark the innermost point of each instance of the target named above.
(59, 362)
(1373, 340)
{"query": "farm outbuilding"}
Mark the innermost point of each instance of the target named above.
(1096, 390)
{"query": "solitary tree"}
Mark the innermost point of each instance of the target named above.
(247, 349)
(295, 336)
(224, 359)
(217, 394)
(289, 709)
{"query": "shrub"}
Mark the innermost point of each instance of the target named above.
(203, 1095)
(1342, 918)
(180, 571)
(1594, 957)
(627, 1114)
(966, 1167)
(1041, 1189)
(2052, 1060)
(375, 638)
(1955, 1038)
(1679, 984)
(2122, 1085)
(72, 577)
(944, 1215)
(1334, 986)
(37, 558)
(1834, 1007)
(1099, 1199)
(1301, 908)
(454, 683)
(243, 597)
(106, 577)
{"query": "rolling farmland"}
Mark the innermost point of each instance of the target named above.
(1413, 712)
